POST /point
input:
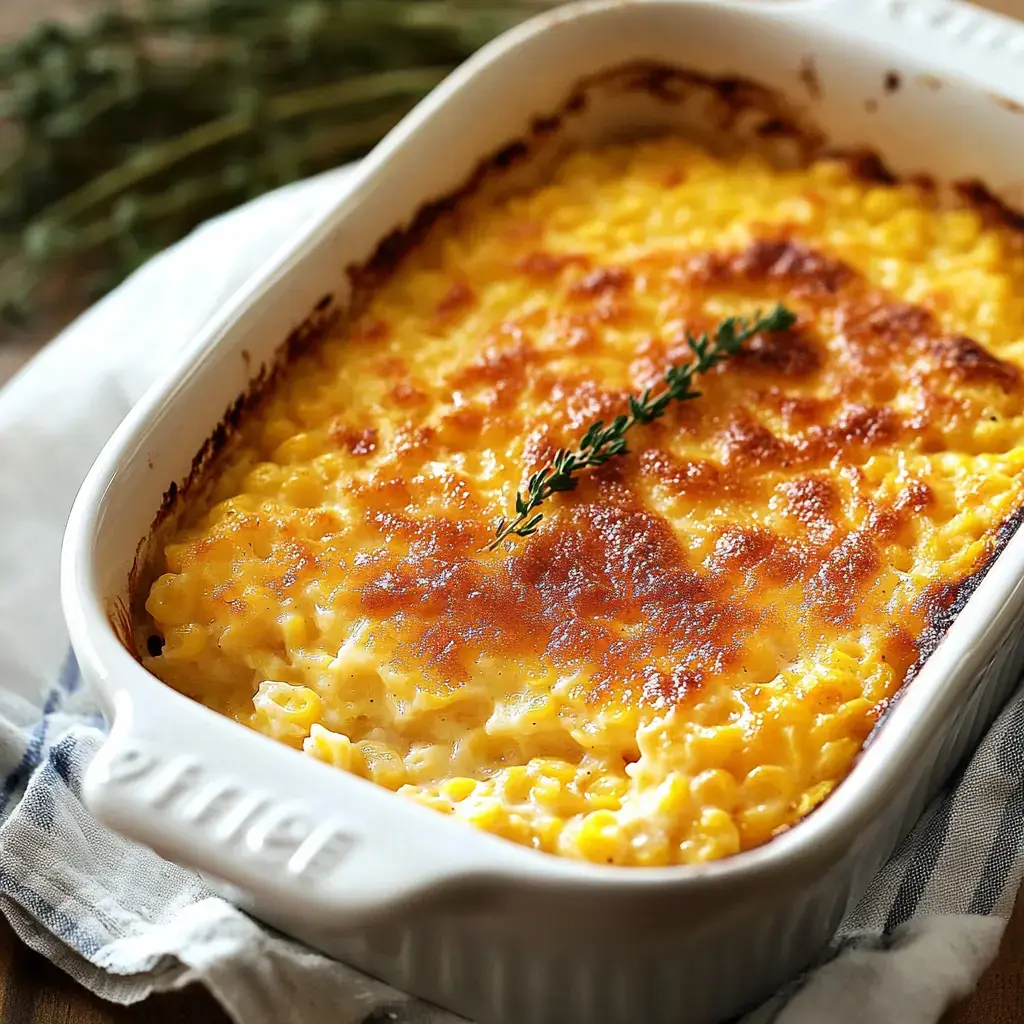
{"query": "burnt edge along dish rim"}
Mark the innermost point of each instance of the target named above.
(667, 84)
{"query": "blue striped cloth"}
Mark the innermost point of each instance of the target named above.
(125, 923)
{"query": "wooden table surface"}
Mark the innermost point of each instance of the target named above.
(33, 991)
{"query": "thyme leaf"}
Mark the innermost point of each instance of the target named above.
(603, 442)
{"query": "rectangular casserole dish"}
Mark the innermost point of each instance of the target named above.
(490, 930)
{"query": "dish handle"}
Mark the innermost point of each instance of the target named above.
(970, 39)
(288, 835)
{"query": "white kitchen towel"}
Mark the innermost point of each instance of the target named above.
(126, 923)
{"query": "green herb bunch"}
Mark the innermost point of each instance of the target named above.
(120, 134)
(601, 443)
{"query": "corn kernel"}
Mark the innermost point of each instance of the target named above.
(184, 643)
(548, 792)
(547, 831)
(717, 828)
(264, 478)
(675, 796)
(835, 759)
(881, 202)
(171, 601)
(756, 824)
(515, 784)
(813, 797)
(457, 789)
(294, 631)
(298, 448)
(601, 839)
(302, 488)
(606, 792)
(487, 814)
(715, 788)
(552, 767)
(653, 853)
(768, 783)
(516, 828)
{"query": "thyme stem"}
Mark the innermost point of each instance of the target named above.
(146, 163)
(601, 443)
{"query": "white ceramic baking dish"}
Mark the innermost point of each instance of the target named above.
(492, 930)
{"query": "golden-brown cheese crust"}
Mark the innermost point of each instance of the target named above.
(687, 656)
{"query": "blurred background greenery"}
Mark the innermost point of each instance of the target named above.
(123, 125)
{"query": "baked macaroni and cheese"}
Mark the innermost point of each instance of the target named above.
(688, 654)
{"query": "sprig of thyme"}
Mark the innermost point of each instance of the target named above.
(601, 443)
(125, 126)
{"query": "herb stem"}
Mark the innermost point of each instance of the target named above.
(601, 443)
(191, 192)
(145, 163)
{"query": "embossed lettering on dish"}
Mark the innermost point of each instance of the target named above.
(321, 852)
(129, 762)
(242, 821)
